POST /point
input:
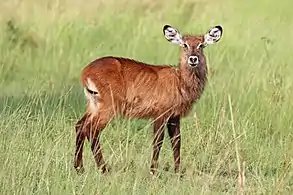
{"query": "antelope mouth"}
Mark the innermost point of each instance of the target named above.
(193, 65)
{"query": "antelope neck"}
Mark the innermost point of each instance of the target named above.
(193, 79)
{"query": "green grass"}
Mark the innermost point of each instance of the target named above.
(41, 59)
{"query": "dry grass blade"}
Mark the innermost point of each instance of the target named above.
(241, 170)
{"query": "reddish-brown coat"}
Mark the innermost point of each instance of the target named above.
(119, 86)
(139, 90)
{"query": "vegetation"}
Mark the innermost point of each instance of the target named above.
(238, 138)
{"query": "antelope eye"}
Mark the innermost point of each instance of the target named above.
(200, 46)
(185, 45)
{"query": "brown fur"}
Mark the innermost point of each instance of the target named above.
(143, 91)
(137, 90)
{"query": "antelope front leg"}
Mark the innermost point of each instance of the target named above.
(157, 143)
(173, 126)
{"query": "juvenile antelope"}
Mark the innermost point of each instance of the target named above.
(119, 86)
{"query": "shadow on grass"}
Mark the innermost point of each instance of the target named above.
(68, 104)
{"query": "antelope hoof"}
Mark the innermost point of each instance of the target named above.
(153, 172)
(104, 170)
(79, 170)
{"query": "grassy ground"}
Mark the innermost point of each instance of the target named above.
(242, 122)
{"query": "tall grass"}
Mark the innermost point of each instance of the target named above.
(242, 123)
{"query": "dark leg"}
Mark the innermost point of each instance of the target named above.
(80, 137)
(97, 152)
(157, 143)
(173, 126)
(96, 127)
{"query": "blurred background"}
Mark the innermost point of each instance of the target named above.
(45, 44)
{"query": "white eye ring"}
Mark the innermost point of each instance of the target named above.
(201, 45)
(185, 45)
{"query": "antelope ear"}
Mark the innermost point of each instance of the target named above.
(213, 35)
(173, 35)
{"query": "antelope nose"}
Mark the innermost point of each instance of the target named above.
(193, 60)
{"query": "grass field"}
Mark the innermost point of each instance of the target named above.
(242, 123)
